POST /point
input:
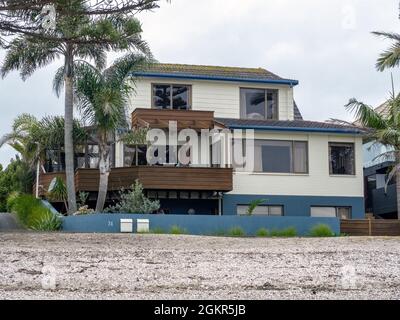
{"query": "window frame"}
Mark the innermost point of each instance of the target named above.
(292, 171)
(243, 111)
(269, 206)
(171, 85)
(353, 146)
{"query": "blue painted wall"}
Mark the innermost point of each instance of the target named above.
(196, 225)
(296, 206)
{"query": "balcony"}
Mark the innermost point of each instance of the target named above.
(151, 177)
(186, 119)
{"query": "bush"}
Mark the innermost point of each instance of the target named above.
(177, 230)
(285, 233)
(262, 233)
(321, 230)
(135, 201)
(32, 214)
(11, 200)
(47, 222)
(236, 232)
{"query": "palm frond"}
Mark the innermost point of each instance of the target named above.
(389, 58)
(366, 115)
(26, 55)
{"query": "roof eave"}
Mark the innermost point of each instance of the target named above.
(298, 129)
(210, 78)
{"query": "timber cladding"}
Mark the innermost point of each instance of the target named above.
(370, 227)
(186, 119)
(151, 177)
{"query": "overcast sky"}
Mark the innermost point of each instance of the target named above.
(326, 45)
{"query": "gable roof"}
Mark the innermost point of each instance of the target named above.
(216, 73)
(296, 125)
(383, 109)
(297, 113)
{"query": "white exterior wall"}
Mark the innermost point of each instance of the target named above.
(221, 97)
(318, 182)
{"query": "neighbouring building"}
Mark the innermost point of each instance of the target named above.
(301, 168)
(380, 197)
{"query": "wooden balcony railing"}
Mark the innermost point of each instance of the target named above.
(151, 177)
(186, 119)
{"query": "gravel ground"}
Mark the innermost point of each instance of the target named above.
(87, 266)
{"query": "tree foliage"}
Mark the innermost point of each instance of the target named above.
(17, 177)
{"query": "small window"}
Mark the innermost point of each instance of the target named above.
(342, 159)
(259, 104)
(343, 213)
(276, 211)
(176, 97)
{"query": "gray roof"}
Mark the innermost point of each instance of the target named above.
(296, 125)
(297, 113)
(213, 73)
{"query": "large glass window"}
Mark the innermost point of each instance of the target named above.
(166, 96)
(342, 160)
(274, 156)
(259, 104)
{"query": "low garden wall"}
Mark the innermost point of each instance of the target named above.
(196, 224)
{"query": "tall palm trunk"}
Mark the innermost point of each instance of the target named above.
(104, 168)
(68, 136)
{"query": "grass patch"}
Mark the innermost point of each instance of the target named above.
(262, 233)
(284, 233)
(236, 232)
(321, 231)
(158, 231)
(177, 230)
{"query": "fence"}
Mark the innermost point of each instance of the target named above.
(197, 224)
(370, 227)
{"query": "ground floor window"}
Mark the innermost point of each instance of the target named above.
(331, 212)
(275, 211)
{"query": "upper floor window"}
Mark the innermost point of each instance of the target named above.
(275, 156)
(259, 104)
(342, 159)
(168, 96)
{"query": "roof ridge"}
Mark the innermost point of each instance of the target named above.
(255, 69)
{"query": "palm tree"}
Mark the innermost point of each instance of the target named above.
(383, 129)
(77, 36)
(31, 137)
(102, 97)
(390, 58)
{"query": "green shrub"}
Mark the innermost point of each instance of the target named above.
(262, 233)
(177, 230)
(26, 208)
(47, 222)
(236, 232)
(11, 200)
(32, 214)
(285, 233)
(321, 230)
(134, 201)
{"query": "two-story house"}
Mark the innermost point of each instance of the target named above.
(301, 168)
